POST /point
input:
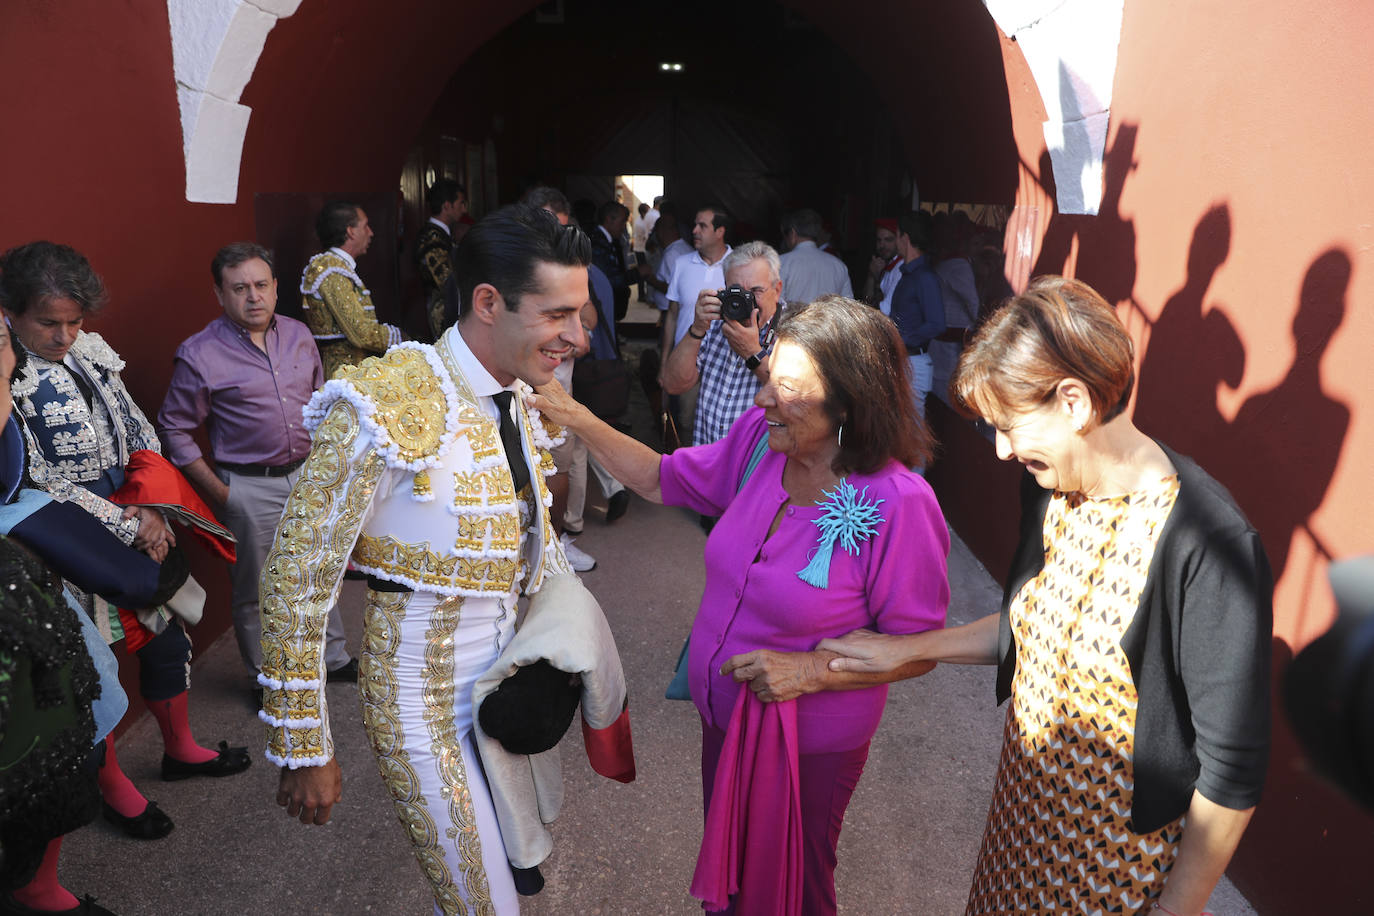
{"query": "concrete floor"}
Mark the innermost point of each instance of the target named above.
(908, 847)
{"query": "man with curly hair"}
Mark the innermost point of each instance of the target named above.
(85, 438)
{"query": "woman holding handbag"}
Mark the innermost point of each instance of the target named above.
(828, 527)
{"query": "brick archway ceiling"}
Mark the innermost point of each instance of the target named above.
(1070, 47)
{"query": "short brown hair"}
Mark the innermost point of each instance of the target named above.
(1058, 328)
(863, 366)
(236, 253)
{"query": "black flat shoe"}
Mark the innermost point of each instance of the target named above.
(85, 907)
(617, 504)
(346, 673)
(230, 760)
(152, 824)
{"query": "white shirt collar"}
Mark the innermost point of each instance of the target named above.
(482, 382)
(606, 232)
(348, 258)
(804, 243)
(696, 253)
(441, 224)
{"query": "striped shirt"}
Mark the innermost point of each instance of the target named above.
(727, 387)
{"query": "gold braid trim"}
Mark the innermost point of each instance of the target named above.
(379, 696)
(299, 579)
(438, 695)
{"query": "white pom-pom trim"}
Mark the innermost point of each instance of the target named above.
(332, 269)
(307, 722)
(295, 763)
(295, 683)
(542, 438)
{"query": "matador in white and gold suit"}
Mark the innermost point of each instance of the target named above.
(337, 307)
(408, 476)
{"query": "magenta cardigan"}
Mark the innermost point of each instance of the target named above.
(754, 599)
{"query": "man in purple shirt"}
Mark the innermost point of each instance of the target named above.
(246, 377)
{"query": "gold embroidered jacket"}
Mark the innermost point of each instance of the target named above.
(338, 308)
(407, 475)
(434, 251)
(434, 248)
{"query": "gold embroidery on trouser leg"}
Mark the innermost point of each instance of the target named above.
(379, 697)
(443, 733)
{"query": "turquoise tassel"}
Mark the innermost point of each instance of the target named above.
(849, 517)
(817, 572)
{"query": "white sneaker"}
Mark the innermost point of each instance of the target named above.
(578, 559)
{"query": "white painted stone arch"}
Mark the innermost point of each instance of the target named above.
(215, 48)
(1071, 48)
(1069, 45)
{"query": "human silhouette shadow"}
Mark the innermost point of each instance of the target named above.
(1106, 242)
(1190, 350)
(1285, 443)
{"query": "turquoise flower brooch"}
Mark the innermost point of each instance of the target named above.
(847, 516)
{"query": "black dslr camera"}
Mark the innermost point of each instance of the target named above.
(736, 303)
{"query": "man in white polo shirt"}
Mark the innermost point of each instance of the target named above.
(702, 269)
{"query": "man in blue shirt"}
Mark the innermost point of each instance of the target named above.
(918, 309)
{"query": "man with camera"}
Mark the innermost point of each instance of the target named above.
(727, 345)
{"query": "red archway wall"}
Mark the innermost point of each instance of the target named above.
(1238, 142)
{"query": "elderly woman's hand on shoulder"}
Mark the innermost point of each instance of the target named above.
(555, 403)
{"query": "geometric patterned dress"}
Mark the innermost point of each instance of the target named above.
(1058, 837)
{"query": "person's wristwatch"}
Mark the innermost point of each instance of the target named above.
(754, 361)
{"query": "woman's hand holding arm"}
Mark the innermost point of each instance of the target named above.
(627, 459)
(867, 652)
(777, 676)
(1209, 840)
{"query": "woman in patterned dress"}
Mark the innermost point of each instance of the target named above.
(1133, 639)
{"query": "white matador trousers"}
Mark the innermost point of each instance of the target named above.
(421, 654)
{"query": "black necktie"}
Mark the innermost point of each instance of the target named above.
(510, 439)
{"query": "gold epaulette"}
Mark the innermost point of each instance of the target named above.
(406, 398)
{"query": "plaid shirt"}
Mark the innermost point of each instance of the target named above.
(727, 387)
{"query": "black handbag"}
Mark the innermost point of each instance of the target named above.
(603, 385)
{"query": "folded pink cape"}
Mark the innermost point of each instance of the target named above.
(752, 844)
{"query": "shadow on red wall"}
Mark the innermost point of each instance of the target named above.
(1277, 456)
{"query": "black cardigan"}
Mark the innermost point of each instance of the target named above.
(1199, 649)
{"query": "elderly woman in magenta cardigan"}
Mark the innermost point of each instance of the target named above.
(822, 529)
(1133, 641)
